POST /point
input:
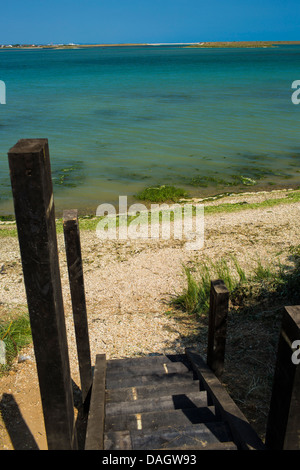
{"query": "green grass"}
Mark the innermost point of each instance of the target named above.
(195, 298)
(263, 282)
(291, 197)
(16, 334)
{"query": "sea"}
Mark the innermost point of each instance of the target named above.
(121, 119)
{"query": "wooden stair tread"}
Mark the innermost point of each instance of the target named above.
(145, 361)
(167, 402)
(153, 419)
(149, 379)
(214, 446)
(157, 403)
(134, 370)
(148, 391)
(195, 436)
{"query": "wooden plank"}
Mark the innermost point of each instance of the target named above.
(283, 427)
(244, 435)
(214, 446)
(75, 270)
(171, 402)
(155, 419)
(30, 174)
(136, 393)
(122, 441)
(218, 311)
(151, 379)
(119, 440)
(131, 370)
(198, 436)
(147, 361)
(95, 426)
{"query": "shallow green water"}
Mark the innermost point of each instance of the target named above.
(121, 119)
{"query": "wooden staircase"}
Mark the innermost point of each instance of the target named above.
(156, 402)
(163, 403)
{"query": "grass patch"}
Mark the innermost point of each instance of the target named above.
(291, 197)
(162, 194)
(195, 298)
(257, 299)
(7, 218)
(245, 288)
(16, 334)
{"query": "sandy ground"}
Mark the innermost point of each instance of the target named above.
(128, 288)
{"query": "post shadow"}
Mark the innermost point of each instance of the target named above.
(19, 433)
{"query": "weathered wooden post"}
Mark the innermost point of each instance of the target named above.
(283, 427)
(218, 311)
(75, 270)
(31, 182)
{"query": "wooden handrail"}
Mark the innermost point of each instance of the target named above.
(218, 311)
(75, 271)
(283, 427)
(31, 183)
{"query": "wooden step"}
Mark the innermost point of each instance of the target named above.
(154, 379)
(157, 403)
(152, 420)
(133, 370)
(146, 361)
(244, 435)
(139, 392)
(214, 446)
(197, 436)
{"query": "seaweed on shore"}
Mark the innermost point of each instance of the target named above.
(162, 193)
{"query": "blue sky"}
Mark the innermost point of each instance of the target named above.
(122, 21)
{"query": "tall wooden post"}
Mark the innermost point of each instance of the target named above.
(31, 182)
(218, 311)
(74, 261)
(283, 427)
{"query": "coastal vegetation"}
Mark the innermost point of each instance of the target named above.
(15, 332)
(256, 301)
(264, 281)
(69, 175)
(89, 222)
(162, 194)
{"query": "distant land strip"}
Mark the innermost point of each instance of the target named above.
(224, 44)
(217, 44)
(243, 44)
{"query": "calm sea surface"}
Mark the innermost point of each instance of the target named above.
(120, 119)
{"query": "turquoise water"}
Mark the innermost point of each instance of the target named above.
(120, 119)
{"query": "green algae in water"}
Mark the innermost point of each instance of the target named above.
(162, 193)
(69, 176)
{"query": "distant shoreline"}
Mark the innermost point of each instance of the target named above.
(209, 44)
(245, 44)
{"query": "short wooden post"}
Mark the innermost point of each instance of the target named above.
(31, 182)
(283, 427)
(75, 270)
(218, 311)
